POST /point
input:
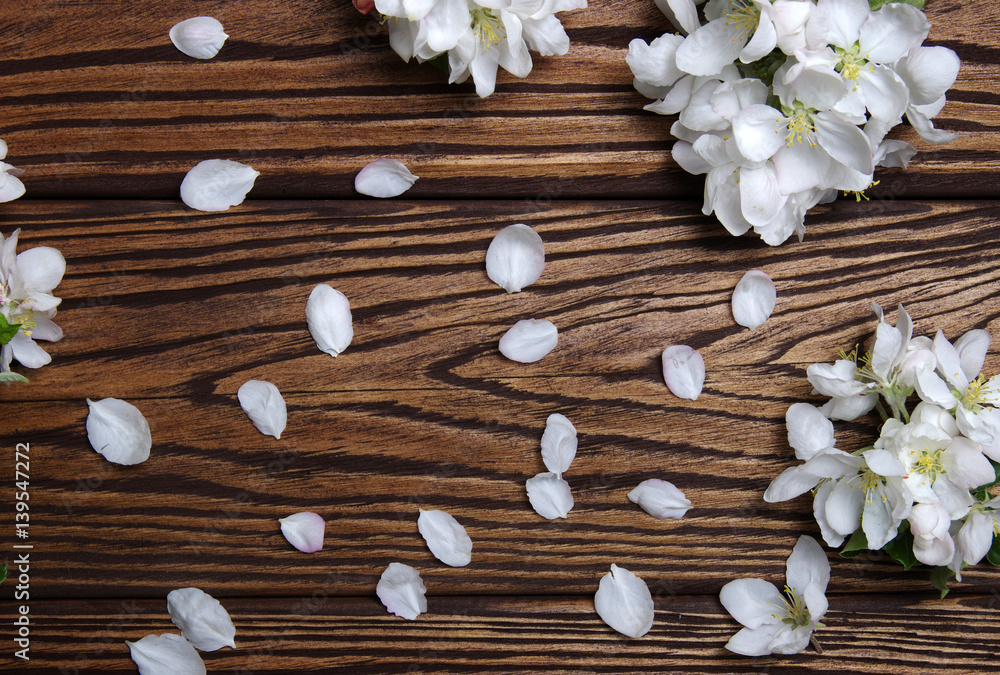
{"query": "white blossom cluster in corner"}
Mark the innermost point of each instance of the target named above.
(782, 103)
(477, 36)
(923, 492)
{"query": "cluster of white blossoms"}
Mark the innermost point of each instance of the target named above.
(783, 103)
(477, 36)
(924, 489)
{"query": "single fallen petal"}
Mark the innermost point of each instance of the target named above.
(384, 178)
(203, 621)
(217, 184)
(200, 37)
(118, 431)
(623, 602)
(558, 444)
(328, 315)
(529, 340)
(753, 299)
(263, 403)
(549, 495)
(402, 591)
(166, 654)
(515, 258)
(304, 531)
(660, 498)
(445, 537)
(683, 371)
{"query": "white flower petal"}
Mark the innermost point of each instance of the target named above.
(559, 443)
(118, 431)
(760, 131)
(217, 184)
(166, 654)
(965, 464)
(328, 315)
(623, 602)
(710, 48)
(654, 63)
(203, 621)
(445, 537)
(809, 431)
(752, 602)
(263, 403)
(39, 270)
(304, 531)
(384, 178)
(972, 348)
(515, 258)
(975, 537)
(549, 495)
(660, 499)
(892, 31)
(807, 566)
(201, 37)
(928, 72)
(402, 591)
(529, 340)
(683, 371)
(789, 484)
(753, 299)
(27, 352)
(757, 641)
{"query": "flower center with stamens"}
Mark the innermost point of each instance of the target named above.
(796, 612)
(744, 16)
(800, 124)
(929, 463)
(976, 394)
(850, 63)
(27, 324)
(488, 27)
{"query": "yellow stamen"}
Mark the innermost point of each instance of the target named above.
(488, 27)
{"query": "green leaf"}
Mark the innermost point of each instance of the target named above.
(982, 493)
(900, 548)
(993, 556)
(940, 577)
(7, 330)
(855, 545)
(877, 4)
(440, 62)
(3, 572)
(7, 378)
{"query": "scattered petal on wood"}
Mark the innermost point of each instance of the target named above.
(263, 403)
(683, 371)
(328, 315)
(558, 444)
(384, 178)
(529, 340)
(217, 184)
(203, 621)
(304, 531)
(623, 602)
(201, 37)
(753, 299)
(166, 654)
(445, 537)
(402, 591)
(515, 257)
(660, 498)
(549, 495)
(117, 430)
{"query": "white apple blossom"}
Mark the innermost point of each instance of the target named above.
(10, 185)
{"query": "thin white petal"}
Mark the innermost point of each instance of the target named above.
(529, 340)
(118, 431)
(402, 591)
(263, 403)
(660, 499)
(304, 531)
(623, 602)
(515, 257)
(683, 371)
(559, 443)
(384, 178)
(752, 602)
(166, 654)
(328, 315)
(203, 621)
(549, 495)
(445, 537)
(201, 37)
(807, 566)
(789, 484)
(217, 184)
(753, 299)
(757, 641)
(972, 348)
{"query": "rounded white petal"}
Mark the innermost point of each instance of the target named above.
(445, 537)
(760, 131)
(928, 72)
(11, 186)
(975, 537)
(384, 178)
(529, 340)
(845, 142)
(710, 48)
(328, 315)
(515, 258)
(753, 299)
(683, 371)
(972, 348)
(809, 431)
(892, 31)
(843, 508)
(789, 484)
(660, 499)
(263, 403)
(118, 431)
(217, 184)
(166, 654)
(304, 531)
(402, 591)
(559, 443)
(654, 63)
(39, 270)
(759, 641)
(623, 602)
(549, 495)
(201, 37)
(966, 465)
(752, 602)
(807, 567)
(203, 621)
(27, 352)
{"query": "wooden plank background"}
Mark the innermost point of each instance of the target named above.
(173, 310)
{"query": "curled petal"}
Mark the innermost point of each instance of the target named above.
(623, 602)
(558, 444)
(117, 430)
(529, 340)
(549, 495)
(217, 184)
(384, 178)
(660, 499)
(753, 299)
(445, 537)
(683, 371)
(328, 315)
(262, 402)
(203, 621)
(515, 257)
(201, 37)
(166, 654)
(304, 531)
(402, 591)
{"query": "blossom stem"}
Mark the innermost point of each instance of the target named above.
(815, 644)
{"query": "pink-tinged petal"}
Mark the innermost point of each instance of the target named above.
(402, 591)
(683, 371)
(529, 340)
(928, 72)
(166, 654)
(623, 601)
(660, 499)
(760, 131)
(754, 298)
(446, 538)
(711, 48)
(752, 602)
(304, 531)
(549, 495)
(515, 258)
(893, 31)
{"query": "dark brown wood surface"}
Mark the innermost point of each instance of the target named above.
(173, 310)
